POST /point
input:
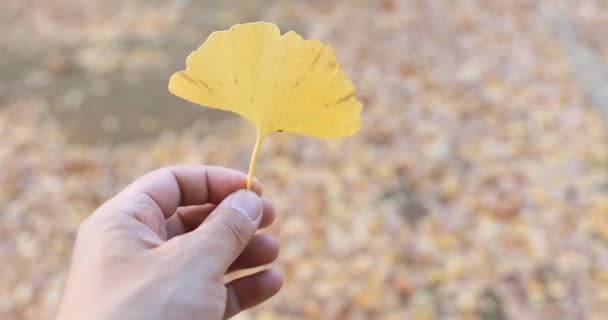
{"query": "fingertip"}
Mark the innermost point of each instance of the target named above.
(271, 245)
(257, 186)
(269, 213)
(275, 280)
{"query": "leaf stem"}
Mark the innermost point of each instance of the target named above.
(254, 157)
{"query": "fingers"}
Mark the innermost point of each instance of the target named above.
(227, 230)
(186, 219)
(171, 187)
(189, 218)
(247, 292)
(262, 249)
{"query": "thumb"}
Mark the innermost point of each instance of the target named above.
(229, 228)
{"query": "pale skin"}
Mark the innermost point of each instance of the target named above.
(162, 247)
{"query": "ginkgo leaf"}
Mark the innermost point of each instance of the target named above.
(278, 82)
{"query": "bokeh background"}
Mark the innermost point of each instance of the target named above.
(476, 189)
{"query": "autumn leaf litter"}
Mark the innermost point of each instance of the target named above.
(476, 187)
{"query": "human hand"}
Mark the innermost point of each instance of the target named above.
(160, 250)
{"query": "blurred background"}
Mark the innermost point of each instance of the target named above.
(476, 189)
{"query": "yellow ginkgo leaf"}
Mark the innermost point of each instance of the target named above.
(278, 82)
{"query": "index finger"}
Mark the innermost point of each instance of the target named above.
(176, 186)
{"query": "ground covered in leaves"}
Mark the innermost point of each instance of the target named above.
(476, 189)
